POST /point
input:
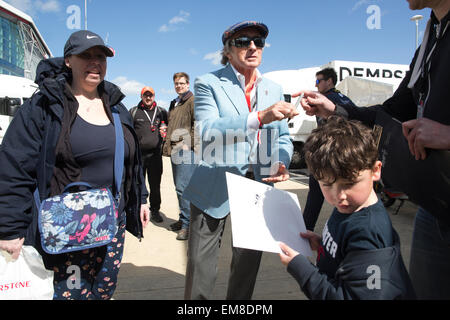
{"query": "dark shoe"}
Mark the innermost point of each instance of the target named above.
(175, 226)
(155, 216)
(183, 234)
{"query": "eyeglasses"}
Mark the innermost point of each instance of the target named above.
(244, 42)
(318, 80)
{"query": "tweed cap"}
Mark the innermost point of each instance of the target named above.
(243, 25)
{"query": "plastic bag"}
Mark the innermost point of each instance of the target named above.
(25, 278)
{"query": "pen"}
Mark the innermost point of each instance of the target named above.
(296, 105)
(298, 101)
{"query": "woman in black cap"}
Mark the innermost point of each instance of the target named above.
(65, 133)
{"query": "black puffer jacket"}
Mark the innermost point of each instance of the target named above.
(27, 154)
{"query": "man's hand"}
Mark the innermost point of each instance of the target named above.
(287, 253)
(316, 104)
(425, 133)
(282, 174)
(13, 247)
(145, 215)
(279, 111)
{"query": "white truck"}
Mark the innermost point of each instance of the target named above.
(364, 83)
(22, 49)
(13, 92)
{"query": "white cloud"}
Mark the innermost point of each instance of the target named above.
(215, 57)
(128, 87)
(358, 4)
(23, 5)
(48, 6)
(168, 91)
(31, 7)
(163, 28)
(163, 103)
(182, 17)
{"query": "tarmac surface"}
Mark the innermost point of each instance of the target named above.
(154, 269)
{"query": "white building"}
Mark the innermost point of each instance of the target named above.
(21, 49)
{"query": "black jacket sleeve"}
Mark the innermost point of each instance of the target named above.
(19, 154)
(365, 274)
(400, 106)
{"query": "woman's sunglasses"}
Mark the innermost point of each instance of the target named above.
(244, 42)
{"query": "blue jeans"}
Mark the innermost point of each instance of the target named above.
(182, 173)
(430, 257)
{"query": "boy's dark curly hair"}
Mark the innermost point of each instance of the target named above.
(340, 148)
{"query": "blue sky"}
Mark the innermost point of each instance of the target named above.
(155, 39)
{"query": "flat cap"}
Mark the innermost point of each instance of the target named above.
(243, 25)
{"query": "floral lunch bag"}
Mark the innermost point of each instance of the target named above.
(77, 221)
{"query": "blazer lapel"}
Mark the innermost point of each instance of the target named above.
(233, 90)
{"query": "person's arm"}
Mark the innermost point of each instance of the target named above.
(213, 123)
(400, 106)
(210, 122)
(19, 154)
(283, 148)
(425, 133)
(351, 276)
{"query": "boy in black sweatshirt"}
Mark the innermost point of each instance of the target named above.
(358, 255)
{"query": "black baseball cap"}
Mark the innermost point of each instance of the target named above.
(83, 40)
(262, 28)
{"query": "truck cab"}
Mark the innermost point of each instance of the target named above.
(14, 91)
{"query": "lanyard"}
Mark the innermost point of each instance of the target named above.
(153, 119)
(425, 71)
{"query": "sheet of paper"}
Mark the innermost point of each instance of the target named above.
(262, 216)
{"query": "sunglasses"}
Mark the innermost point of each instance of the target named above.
(318, 80)
(244, 42)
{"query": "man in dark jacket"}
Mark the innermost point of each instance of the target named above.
(179, 145)
(148, 119)
(421, 104)
(326, 80)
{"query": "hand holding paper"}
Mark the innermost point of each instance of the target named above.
(262, 216)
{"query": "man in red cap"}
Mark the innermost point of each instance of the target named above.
(148, 119)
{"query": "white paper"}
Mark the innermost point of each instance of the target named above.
(262, 216)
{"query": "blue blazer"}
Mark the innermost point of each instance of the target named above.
(221, 113)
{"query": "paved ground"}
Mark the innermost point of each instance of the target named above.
(155, 267)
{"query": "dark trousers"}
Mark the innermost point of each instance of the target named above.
(98, 270)
(205, 235)
(313, 205)
(153, 168)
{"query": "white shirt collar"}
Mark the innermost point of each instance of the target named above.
(241, 77)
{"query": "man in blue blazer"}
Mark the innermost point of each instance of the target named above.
(240, 119)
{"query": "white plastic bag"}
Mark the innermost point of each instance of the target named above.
(25, 278)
